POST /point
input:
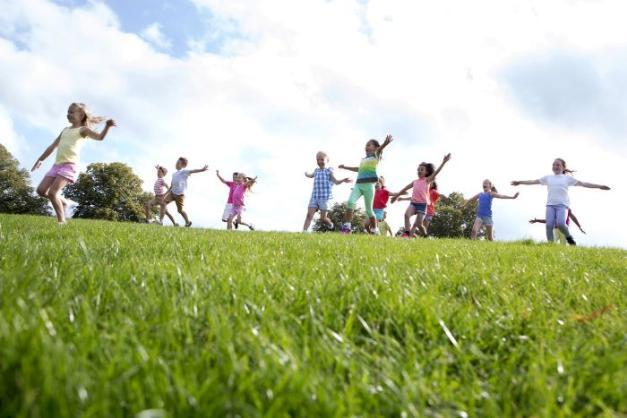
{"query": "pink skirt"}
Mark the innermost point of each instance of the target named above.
(65, 170)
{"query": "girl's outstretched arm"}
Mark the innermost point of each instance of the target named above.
(388, 141)
(502, 196)
(525, 182)
(85, 131)
(345, 167)
(220, 177)
(472, 199)
(403, 191)
(436, 172)
(199, 170)
(537, 221)
(46, 153)
(336, 181)
(591, 185)
(576, 221)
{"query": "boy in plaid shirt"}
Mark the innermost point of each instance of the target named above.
(321, 194)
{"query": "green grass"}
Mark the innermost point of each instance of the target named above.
(102, 319)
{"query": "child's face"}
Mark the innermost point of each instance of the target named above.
(558, 167)
(487, 186)
(422, 171)
(235, 176)
(160, 173)
(377, 185)
(371, 148)
(75, 114)
(321, 160)
(239, 178)
(180, 165)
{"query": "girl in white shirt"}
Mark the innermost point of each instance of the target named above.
(558, 202)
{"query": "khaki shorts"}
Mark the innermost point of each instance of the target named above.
(179, 199)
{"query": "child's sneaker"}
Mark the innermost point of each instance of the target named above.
(188, 224)
(331, 228)
(405, 234)
(346, 229)
(571, 241)
(375, 231)
(251, 227)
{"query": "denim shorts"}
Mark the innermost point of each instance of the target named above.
(320, 204)
(419, 207)
(378, 213)
(486, 220)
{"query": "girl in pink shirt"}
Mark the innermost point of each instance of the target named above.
(242, 185)
(420, 196)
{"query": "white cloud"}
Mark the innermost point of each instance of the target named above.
(152, 33)
(295, 77)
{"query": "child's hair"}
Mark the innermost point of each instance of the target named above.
(373, 142)
(235, 174)
(382, 181)
(433, 186)
(88, 119)
(162, 169)
(183, 160)
(322, 154)
(428, 166)
(492, 186)
(566, 170)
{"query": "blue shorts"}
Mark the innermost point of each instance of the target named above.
(419, 207)
(320, 204)
(486, 220)
(378, 213)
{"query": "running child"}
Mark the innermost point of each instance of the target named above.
(229, 201)
(561, 238)
(383, 225)
(179, 185)
(160, 188)
(366, 179)
(242, 185)
(558, 200)
(420, 196)
(322, 191)
(68, 144)
(381, 197)
(434, 196)
(484, 209)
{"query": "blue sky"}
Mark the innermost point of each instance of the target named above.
(261, 85)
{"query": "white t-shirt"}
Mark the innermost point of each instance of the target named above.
(179, 181)
(557, 186)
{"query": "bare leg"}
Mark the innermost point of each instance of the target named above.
(426, 223)
(229, 222)
(348, 216)
(309, 218)
(488, 229)
(53, 194)
(418, 225)
(324, 218)
(408, 214)
(475, 228)
(184, 215)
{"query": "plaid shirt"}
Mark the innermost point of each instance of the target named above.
(322, 183)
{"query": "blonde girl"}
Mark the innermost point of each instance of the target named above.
(484, 209)
(68, 144)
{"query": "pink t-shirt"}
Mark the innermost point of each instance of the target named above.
(231, 185)
(159, 187)
(239, 190)
(421, 191)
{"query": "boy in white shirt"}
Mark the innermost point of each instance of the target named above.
(179, 185)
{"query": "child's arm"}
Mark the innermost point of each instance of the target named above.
(345, 167)
(199, 170)
(398, 195)
(402, 198)
(403, 191)
(436, 172)
(336, 181)
(472, 199)
(220, 177)
(388, 141)
(591, 185)
(576, 221)
(46, 153)
(85, 131)
(525, 182)
(502, 196)
(537, 221)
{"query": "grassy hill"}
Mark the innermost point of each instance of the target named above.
(103, 319)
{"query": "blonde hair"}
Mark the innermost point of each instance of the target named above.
(322, 154)
(88, 119)
(492, 186)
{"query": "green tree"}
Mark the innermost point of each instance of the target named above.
(16, 192)
(336, 214)
(108, 191)
(451, 220)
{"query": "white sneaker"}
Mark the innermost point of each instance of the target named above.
(375, 231)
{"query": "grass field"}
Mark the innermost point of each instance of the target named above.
(102, 319)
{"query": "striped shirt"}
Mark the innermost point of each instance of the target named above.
(159, 187)
(367, 172)
(322, 183)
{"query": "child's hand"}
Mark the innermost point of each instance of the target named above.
(446, 157)
(347, 180)
(516, 195)
(205, 168)
(533, 221)
(341, 166)
(604, 188)
(389, 139)
(218, 172)
(582, 231)
(515, 183)
(36, 165)
(109, 123)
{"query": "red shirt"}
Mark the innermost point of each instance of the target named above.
(381, 197)
(434, 195)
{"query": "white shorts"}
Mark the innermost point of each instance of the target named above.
(228, 208)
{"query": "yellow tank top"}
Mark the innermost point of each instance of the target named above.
(69, 146)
